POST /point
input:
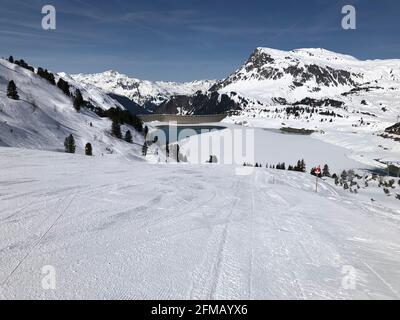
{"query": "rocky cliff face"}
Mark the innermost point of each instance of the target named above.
(267, 64)
(199, 104)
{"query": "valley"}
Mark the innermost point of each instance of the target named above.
(93, 184)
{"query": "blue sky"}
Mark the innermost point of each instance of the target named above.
(189, 39)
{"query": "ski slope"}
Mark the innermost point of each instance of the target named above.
(44, 116)
(114, 228)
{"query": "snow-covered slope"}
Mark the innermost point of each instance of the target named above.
(119, 229)
(352, 91)
(349, 102)
(314, 73)
(141, 91)
(44, 115)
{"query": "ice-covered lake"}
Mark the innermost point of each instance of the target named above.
(258, 145)
(174, 133)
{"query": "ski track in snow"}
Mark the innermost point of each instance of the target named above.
(114, 228)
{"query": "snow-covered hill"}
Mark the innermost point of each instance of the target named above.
(340, 86)
(337, 86)
(314, 73)
(141, 91)
(120, 229)
(44, 115)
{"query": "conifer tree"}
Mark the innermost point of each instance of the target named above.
(12, 92)
(88, 149)
(116, 129)
(343, 175)
(128, 136)
(11, 59)
(302, 165)
(64, 86)
(325, 171)
(144, 149)
(167, 150)
(69, 144)
(78, 100)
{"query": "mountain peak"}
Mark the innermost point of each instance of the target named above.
(306, 72)
(310, 53)
(142, 91)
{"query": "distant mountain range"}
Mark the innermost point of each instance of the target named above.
(142, 92)
(44, 115)
(268, 79)
(307, 88)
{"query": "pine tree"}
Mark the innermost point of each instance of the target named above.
(167, 150)
(144, 149)
(302, 165)
(64, 86)
(325, 171)
(69, 144)
(128, 136)
(88, 149)
(11, 59)
(116, 129)
(12, 92)
(78, 100)
(45, 74)
(350, 175)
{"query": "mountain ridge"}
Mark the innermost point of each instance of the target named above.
(141, 91)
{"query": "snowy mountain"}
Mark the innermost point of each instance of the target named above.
(44, 115)
(312, 88)
(336, 86)
(141, 91)
(119, 227)
(315, 89)
(313, 73)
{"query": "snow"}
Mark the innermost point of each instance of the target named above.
(141, 91)
(357, 125)
(44, 116)
(118, 225)
(117, 228)
(269, 146)
(251, 83)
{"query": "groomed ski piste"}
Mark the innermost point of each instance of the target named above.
(118, 228)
